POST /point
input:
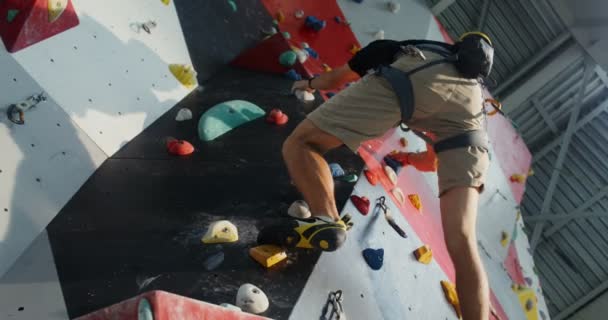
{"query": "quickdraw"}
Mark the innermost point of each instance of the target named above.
(333, 307)
(496, 105)
(21, 107)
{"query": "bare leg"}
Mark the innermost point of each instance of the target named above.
(459, 216)
(302, 152)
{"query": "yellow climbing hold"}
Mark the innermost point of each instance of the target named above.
(528, 301)
(56, 8)
(267, 255)
(354, 49)
(415, 201)
(185, 74)
(449, 290)
(220, 232)
(519, 178)
(424, 254)
(530, 172)
(166, 2)
(504, 238)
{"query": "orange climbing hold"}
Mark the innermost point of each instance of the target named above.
(267, 255)
(449, 290)
(403, 142)
(276, 116)
(354, 49)
(179, 147)
(371, 177)
(519, 178)
(424, 254)
(280, 17)
(326, 67)
(415, 201)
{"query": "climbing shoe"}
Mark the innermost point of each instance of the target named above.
(312, 233)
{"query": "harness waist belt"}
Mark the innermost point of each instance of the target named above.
(476, 138)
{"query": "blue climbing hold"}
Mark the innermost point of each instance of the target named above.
(312, 52)
(374, 258)
(336, 170)
(226, 116)
(330, 94)
(293, 75)
(315, 23)
(394, 164)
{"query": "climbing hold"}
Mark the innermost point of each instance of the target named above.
(299, 14)
(220, 232)
(214, 261)
(330, 94)
(304, 96)
(56, 9)
(312, 52)
(226, 116)
(286, 35)
(528, 280)
(293, 75)
(305, 45)
(268, 255)
(338, 19)
(371, 177)
(288, 58)
(504, 238)
(275, 22)
(179, 147)
(326, 67)
(361, 203)
(519, 178)
(299, 209)
(393, 6)
(349, 178)
(394, 164)
(302, 55)
(530, 172)
(358, 1)
(403, 142)
(11, 14)
(230, 306)
(183, 114)
(390, 173)
(251, 299)
(379, 35)
(185, 74)
(280, 17)
(415, 201)
(276, 116)
(270, 31)
(542, 315)
(232, 5)
(165, 2)
(398, 194)
(424, 254)
(336, 170)
(374, 258)
(354, 49)
(314, 23)
(449, 290)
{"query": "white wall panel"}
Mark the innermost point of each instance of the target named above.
(111, 80)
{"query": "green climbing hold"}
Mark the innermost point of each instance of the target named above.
(226, 116)
(144, 310)
(286, 35)
(11, 14)
(232, 5)
(288, 58)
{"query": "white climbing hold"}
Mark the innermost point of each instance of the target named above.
(299, 14)
(230, 306)
(251, 299)
(305, 45)
(302, 55)
(398, 195)
(183, 114)
(379, 35)
(304, 96)
(220, 232)
(390, 173)
(299, 209)
(393, 6)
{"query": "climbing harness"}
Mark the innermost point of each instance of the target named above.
(472, 57)
(333, 307)
(21, 107)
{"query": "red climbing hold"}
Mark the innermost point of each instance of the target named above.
(361, 203)
(371, 177)
(277, 117)
(179, 147)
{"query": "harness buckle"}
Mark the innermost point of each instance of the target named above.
(413, 51)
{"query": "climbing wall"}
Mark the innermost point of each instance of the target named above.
(106, 80)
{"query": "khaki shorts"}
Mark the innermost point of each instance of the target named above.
(369, 108)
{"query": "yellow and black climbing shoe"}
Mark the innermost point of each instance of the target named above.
(313, 233)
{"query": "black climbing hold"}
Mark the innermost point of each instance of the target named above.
(374, 258)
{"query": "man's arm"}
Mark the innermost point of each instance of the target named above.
(328, 80)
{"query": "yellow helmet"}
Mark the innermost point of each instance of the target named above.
(476, 33)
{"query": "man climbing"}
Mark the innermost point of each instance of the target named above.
(435, 90)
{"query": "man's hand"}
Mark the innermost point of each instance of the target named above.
(301, 85)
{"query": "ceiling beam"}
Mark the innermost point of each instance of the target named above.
(533, 62)
(581, 123)
(582, 301)
(543, 113)
(601, 74)
(579, 212)
(555, 175)
(484, 14)
(438, 8)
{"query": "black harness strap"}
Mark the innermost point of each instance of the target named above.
(476, 138)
